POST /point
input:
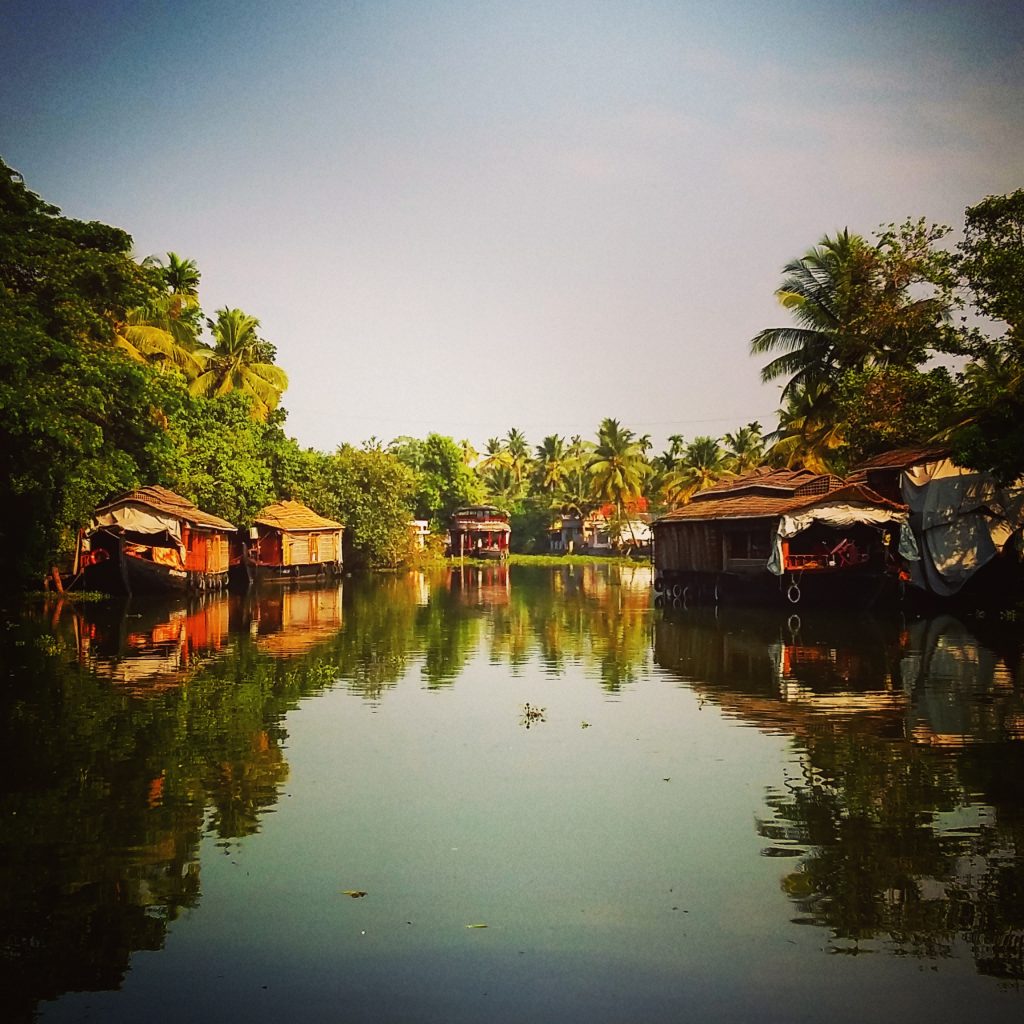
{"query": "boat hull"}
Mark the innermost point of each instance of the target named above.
(858, 586)
(275, 573)
(118, 572)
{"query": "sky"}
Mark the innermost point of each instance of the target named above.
(465, 216)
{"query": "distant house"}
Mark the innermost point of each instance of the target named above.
(781, 533)
(152, 540)
(963, 520)
(604, 535)
(479, 531)
(290, 541)
(565, 534)
(419, 531)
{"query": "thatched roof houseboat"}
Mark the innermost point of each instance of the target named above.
(289, 541)
(153, 540)
(781, 535)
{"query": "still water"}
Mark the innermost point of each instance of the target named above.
(560, 803)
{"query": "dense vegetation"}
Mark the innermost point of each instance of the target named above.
(112, 376)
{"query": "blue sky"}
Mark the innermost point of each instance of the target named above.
(469, 216)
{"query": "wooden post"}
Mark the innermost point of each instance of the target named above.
(55, 573)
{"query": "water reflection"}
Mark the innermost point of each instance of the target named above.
(133, 732)
(899, 845)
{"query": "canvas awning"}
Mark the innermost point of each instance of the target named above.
(138, 519)
(840, 515)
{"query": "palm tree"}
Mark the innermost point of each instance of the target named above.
(469, 453)
(703, 463)
(573, 497)
(181, 275)
(617, 468)
(519, 453)
(808, 435)
(235, 363)
(552, 464)
(155, 334)
(853, 309)
(745, 448)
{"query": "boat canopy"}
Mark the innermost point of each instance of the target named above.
(840, 515)
(138, 519)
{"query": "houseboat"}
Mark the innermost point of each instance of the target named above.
(966, 525)
(479, 531)
(289, 541)
(152, 540)
(782, 535)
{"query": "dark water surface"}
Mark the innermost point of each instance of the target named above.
(727, 816)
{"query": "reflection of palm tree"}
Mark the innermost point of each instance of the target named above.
(236, 363)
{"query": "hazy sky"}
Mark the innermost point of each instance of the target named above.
(468, 216)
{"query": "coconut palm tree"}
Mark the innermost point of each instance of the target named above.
(853, 309)
(745, 448)
(809, 434)
(469, 453)
(181, 275)
(235, 363)
(617, 467)
(155, 334)
(703, 464)
(551, 463)
(519, 453)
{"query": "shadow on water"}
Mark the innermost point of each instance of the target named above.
(134, 731)
(903, 813)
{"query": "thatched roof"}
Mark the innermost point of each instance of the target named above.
(768, 495)
(904, 458)
(168, 503)
(294, 516)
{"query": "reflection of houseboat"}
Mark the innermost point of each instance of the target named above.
(156, 647)
(963, 521)
(289, 541)
(780, 534)
(479, 531)
(482, 586)
(153, 540)
(289, 621)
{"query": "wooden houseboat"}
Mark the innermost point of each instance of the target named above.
(782, 535)
(289, 541)
(479, 531)
(152, 540)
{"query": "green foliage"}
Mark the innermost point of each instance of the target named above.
(444, 481)
(371, 493)
(992, 260)
(703, 463)
(891, 407)
(239, 361)
(225, 460)
(530, 524)
(77, 420)
(618, 467)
